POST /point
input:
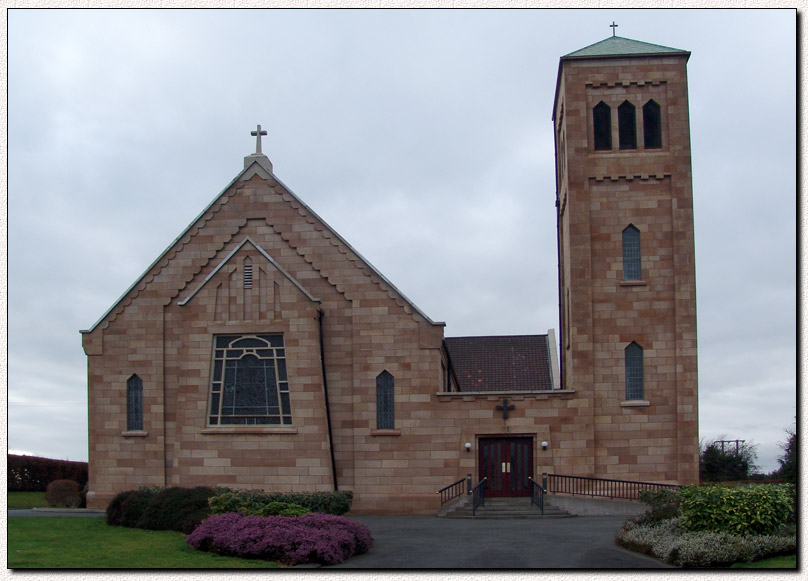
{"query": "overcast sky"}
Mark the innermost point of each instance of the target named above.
(423, 137)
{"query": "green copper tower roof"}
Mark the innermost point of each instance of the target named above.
(619, 46)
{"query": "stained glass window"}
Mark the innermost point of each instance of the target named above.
(385, 410)
(634, 372)
(632, 256)
(249, 385)
(134, 403)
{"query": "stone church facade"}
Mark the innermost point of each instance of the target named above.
(262, 351)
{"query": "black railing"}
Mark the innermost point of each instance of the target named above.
(626, 489)
(536, 494)
(478, 495)
(454, 490)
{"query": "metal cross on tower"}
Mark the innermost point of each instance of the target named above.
(504, 407)
(613, 26)
(258, 134)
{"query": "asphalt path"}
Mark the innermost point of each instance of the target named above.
(428, 542)
(80, 512)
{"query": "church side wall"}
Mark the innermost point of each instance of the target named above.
(122, 459)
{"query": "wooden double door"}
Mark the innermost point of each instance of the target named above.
(507, 463)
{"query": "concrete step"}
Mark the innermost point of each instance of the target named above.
(507, 508)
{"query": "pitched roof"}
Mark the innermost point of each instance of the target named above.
(619, 46)
(505, 363)
(258, 164)
(614, 47)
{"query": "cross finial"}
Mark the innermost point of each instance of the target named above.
(257, 134)
(613, 26)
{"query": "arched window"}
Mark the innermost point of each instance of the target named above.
(134, 403)
(627, 125)
(602, 124)
(249, 385)
(652, 125)
(632, 256)
(634, 372)
(385, 409)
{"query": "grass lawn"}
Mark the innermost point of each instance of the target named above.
(787, 562)
(27, 500)
(88, 543)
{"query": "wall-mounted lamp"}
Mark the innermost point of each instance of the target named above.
(544, 445)
(468, 447)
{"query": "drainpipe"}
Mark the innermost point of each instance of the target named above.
(327, 408)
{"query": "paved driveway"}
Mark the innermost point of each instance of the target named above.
(81, 512)
(429, 542)
(411, 542)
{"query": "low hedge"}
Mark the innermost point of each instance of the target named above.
(759, 509)
(255, 502)
(134, 506)
(175, 508)
(32, 473)
(311, 538)
(668, 541)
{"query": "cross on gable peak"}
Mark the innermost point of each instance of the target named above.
(257, 157)
(258, 133)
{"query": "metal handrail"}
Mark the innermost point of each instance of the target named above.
(478, 495)
(537, 493)
(452, 491)
(585, 486)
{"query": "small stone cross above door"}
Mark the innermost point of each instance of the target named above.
(504, 407)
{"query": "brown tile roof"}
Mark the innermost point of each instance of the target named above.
(507, 363)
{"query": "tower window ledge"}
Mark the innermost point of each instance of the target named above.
(635, 403)
(135, 434)
(633, 283)
(385, 432)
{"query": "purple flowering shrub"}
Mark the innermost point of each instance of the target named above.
(312, 538)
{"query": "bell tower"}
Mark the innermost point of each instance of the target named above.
(627, 289)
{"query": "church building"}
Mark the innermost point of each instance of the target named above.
(262, 351)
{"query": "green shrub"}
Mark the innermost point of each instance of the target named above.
(253, 502)
(278, 509)
(662, 505)
(63, 493)
(134, 505)
(115, 509)
(754, 509)
(177, 509)
(130, 502)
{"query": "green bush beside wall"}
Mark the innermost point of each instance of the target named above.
(759, 509)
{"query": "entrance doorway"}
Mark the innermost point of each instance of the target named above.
(507, 463)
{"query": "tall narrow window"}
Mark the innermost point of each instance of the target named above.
(634, 372)
(602, 124)
(627, 125)
(134, 403)
(385, 410)
(652, 125)
(632, 256)
(249, 384)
